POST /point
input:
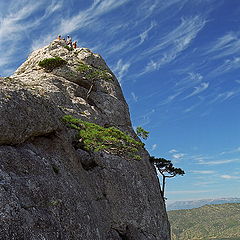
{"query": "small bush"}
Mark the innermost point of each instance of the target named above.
(68, 48)
(84, 68)
(51, 63)
(93, 137)
(93, 73)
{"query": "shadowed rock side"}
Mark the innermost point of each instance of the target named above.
(48, 188)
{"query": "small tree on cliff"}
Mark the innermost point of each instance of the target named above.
(166, 169)
(142, 133)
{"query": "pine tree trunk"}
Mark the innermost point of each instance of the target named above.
(163, 188)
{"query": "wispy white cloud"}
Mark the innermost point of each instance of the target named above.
(230, 64)
(145, 118)
(202, 171)
(17, 22)
(135, 98)
(173, 43)
(217, 162)
(190, 80)
(202, 87)
(147, 8)
(204, 183)
(235, 150)
(129, 44)
(151, 66)
(84, 18)
(172, 151)
(13, 24)
(170, 98)
(154, 146)
(229, 177)
(144, 35)
(121, 69)
(123, 45)
(191, 108)
(7, 72)
(169, 3)
(178, 155)
(227, 45)
(224, 96)
(6, 56)
(53, 7)
(227, 50)
(88, 16)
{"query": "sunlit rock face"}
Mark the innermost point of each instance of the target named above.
(49, 189)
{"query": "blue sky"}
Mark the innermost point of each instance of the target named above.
(178, 65)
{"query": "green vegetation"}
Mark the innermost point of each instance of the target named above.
(93, 137)
(84, 68)
(93, 73)
(142, 133)
(218, 222)
(166, 169)
(68, 48)
(54, 203)
(51, 63)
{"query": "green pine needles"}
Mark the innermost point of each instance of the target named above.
(93, 73)
(51, 63)
(142, 133)
(93, 137)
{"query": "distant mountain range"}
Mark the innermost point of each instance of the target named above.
(218, 222)
(199, 203)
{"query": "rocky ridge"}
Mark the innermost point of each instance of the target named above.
(50, 189)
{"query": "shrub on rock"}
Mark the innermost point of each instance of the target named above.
(51, 63)
(93, 137)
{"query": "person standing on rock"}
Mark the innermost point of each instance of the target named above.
(69, 41)
(59, 37)
(75, 44)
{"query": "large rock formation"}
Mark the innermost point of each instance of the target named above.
(50, 189)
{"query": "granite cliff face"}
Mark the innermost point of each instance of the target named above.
(50, 189)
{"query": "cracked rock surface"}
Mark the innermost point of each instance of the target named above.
(48, 188)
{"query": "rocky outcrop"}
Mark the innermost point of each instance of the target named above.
(49, 189)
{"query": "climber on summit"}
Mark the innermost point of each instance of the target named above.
(69, 41)
(75, 44)
(59, 37)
